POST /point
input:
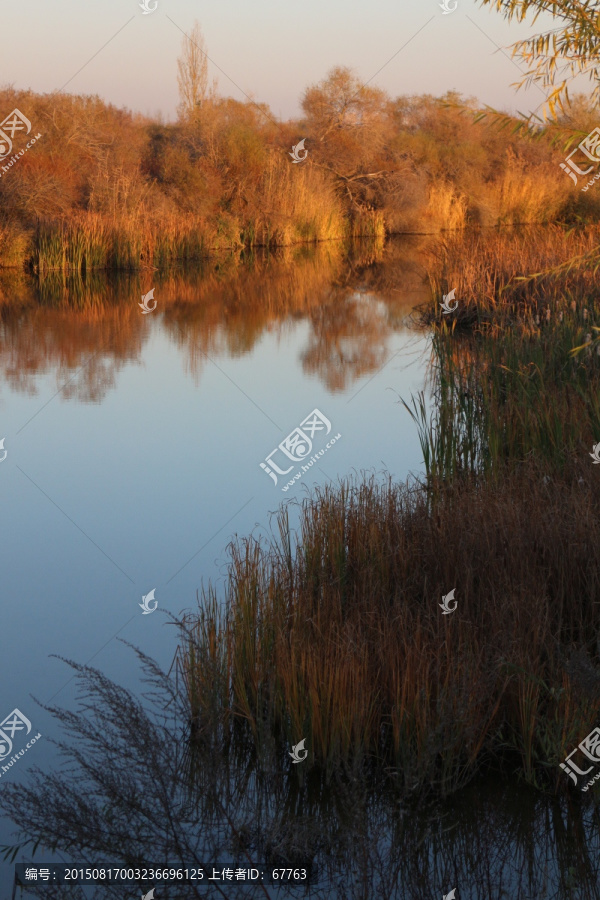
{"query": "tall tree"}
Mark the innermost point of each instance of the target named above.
(192, 76)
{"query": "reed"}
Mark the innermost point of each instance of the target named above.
(93, 242)
(14, 244)
(520, 274)
(446, 208)
(335, 635)
(294, 205)
(502, 398)
(369, 223)
(516, 368)
(520, 195)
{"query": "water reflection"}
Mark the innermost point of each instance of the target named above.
(136, 788)
(85, 329)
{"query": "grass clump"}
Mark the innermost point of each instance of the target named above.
(337, 636)
(520, 275)
(502, 399)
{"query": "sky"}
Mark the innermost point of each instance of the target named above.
(269, 50)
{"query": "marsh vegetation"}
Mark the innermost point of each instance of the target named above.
(430, 737)
(105, 188)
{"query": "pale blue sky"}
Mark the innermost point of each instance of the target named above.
(272, 49)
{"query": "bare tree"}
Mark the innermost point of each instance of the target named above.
(192, 77)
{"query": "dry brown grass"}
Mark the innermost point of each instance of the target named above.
(521, 195)
(294, 204)
(493, 273)
(446, 209)
(341, 640)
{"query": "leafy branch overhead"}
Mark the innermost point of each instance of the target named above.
(568, 48)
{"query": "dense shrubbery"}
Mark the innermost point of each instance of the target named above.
(106, 188)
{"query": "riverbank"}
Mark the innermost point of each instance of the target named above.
(107, 189)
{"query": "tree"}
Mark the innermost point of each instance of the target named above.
(192, 77)
(340, 101)
(350, 129)
(556, 56)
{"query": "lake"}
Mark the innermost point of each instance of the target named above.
(134, 442)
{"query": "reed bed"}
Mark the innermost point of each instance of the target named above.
(522, 274)
(336, 635)
(293, 207)
(290, 208)
(446, 208)
(502, 398)
(357, 843)
(516, 367)
(92, 242)
(520, 195)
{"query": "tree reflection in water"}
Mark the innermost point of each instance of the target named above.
(137, 788)
(84, 329)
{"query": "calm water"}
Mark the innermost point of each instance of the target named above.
(134, 441)
(134, 445)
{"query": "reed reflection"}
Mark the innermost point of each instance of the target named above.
(137, 784)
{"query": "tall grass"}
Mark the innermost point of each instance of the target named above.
(516, 368)
(15, 244)
(336, 636)
(503, 397)
(356, 842)
(522, 274)
(446, 208)
(92, 242)
(295, 204)
(520, 195)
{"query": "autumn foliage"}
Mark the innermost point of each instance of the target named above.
(104, 187)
